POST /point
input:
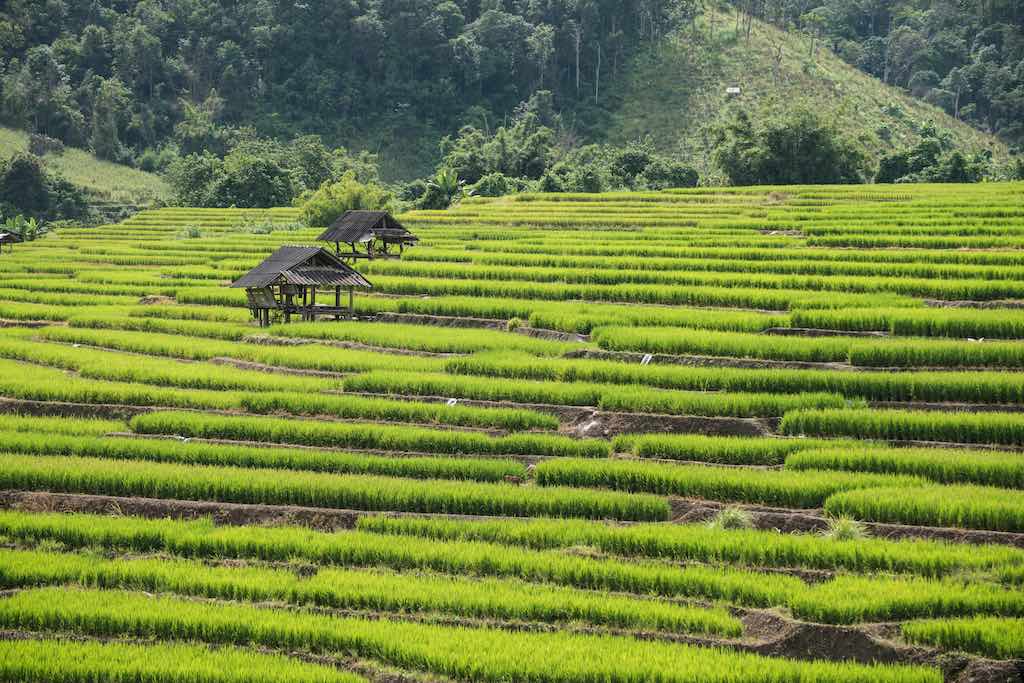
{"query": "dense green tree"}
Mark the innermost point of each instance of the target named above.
(28, 188)
(332, 199)
(798, 148)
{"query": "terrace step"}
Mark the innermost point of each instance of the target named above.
(706, 361)
(787, 520)
(815, 332)
(999, 303)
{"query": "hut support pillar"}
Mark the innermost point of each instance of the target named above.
(351, 303)
(312, 303)
(337, 301)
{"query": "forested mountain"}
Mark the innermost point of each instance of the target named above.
(155, 83)
(122, 76)
(966, 56)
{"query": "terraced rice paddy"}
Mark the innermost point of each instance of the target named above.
(736, 435)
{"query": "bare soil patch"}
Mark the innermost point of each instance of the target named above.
(998, 303)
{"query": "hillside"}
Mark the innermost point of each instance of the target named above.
(708, 435)
(108, 183)
(676, 93)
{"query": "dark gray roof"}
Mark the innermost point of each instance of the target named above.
(302, 266)
(362, 226)
(6, 237)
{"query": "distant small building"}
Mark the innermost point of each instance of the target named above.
(288, 281)
(11, 238)
(733, 91)
(369, 235)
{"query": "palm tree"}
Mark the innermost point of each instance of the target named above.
(446, 183)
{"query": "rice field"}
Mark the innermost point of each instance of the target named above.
(676, 436)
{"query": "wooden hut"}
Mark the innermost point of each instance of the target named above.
(369, 234)
(11, 238)
(288, 281)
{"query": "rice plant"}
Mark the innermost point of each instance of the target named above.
(479, 654)
(993, 637)
(68, 661)
(291, 487)
(970, 507)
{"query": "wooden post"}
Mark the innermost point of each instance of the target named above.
(312, 303)
(337, 301)
(305, 303)
(351, 303)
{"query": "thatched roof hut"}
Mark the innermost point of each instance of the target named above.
(9, 238)
(377, 232)
(293, 272)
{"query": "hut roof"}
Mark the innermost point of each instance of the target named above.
(363, 226)
(9, 237)
(304, 266)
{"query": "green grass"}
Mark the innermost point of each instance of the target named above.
(676, 92)
(103, 179)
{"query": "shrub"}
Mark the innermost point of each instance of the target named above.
(332, 199)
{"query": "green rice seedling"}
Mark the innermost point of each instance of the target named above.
(61, 300)
(585, 317)
(32, 311)
(474, 388)
(937, 353)
(364, 436)
(311, 357)
(366, 590)
(726, 450)
(192, 453)
(359, 407)
(790, 489)
(422, 337)
(943, 465)
(971, 507)
(732, 344)
(642, 400)
(853, 599)
(925, 322)
(197, 328)
(479, 654)
(356, 548)
(986, 636)
(921, 425)
(290, 487)
(114, 366)
(66, 661)
(675, 295)
(60, 425)
(685, 542)
(18, 380)
(980, 387)
(180, 312)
